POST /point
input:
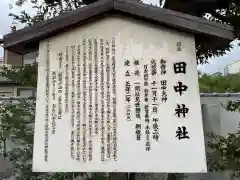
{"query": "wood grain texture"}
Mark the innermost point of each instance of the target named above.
(151, 176)
(176, 20)
(22, 39)
(118, 176)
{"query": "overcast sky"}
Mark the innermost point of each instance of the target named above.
(214, 65)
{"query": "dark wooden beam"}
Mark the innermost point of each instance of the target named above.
(196, 7)
(118, 176)
(143, 12)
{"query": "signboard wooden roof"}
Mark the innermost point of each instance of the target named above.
(119, 93)
(22, 39)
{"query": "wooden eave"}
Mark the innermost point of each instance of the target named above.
(29, 37)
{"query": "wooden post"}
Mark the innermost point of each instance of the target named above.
(118, 176)
(6, 168)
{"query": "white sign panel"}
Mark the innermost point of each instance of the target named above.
(111, 100)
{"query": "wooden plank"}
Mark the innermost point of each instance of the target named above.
(58, 24)
(176, 20)
(151, 176)
(81, 16)
(6, 168)
(118, 176)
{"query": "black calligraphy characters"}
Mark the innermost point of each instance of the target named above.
(163, 82)
(182, 133)
(179, 46)
(127, 73)
(155, 126)
(181, 110)
(180, 88)
(153, 67)
(163, 66)
(180, 67)
(164, 90)
(136, 62)
(127, 63)
(138, 131)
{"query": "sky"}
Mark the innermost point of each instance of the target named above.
(218, 64)
(215, 64)
(5, 20)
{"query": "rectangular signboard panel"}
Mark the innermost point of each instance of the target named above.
(118, 95)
